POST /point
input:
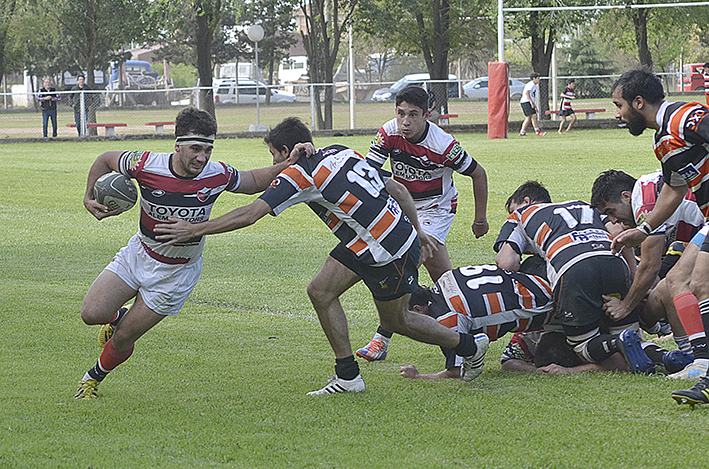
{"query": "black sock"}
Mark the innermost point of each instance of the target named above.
(384, 332)
(346, 368)
(655, 352)
(467, 346)
(98, 373)
(601, 347)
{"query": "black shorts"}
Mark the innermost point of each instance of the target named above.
(387, 282)
(577, 295)
(566, 112)
(527, 109)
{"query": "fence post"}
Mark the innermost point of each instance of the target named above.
(312, 107)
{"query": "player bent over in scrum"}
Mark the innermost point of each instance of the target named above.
(158, 277)
(381, 241)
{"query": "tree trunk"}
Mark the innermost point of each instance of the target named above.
(204, 61)
(435, 54)
(640, 23)
(542, 47)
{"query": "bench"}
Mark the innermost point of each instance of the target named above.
(160, 126)
(590, 113)
(110, 128)
(443, 119)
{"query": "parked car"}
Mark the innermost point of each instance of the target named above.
(225, 92)
(477, 89)
(388, 94)
(691, 78)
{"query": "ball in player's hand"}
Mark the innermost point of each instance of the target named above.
(115, 191)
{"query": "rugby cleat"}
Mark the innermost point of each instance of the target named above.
(692, 371)
(540, 133)
(630, 347)
(676, 360)
(338, 385)
(473, 365)
(697, 394)
(374, 351)
(87, 389)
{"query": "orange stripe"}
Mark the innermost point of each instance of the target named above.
(523, 323)
(696, 181)
(492, 332)
(675, 123)
(332, 221)
(349, 203)
(558, 244)
(382, 225)
(450, 321)
(358, 246)
(526, 295)
(297, 176)
(527, 212)
(494, 303)
(458, 305)
(321, 176)
(544, 230)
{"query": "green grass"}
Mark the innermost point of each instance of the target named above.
(223, 384)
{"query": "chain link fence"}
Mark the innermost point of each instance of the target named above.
(153, 111)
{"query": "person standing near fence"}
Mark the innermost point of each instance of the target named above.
(529, 106)
(76, 99)
(566, 109)
(48, 98)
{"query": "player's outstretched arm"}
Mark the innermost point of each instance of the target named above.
(403, 197)
(410, 372)
(480, 226)
(257, 180)
(177, 230)
(104, 164)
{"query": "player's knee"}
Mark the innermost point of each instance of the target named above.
(91, 315)
(699, 286)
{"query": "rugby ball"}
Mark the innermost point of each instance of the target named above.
(115, 191)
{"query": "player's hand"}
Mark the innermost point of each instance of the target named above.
(98, 210)
(175, 230)
(554, 369)
(615, 308)
(627, 239)
(428, 246)
(410, 371)
(480, 229)
(306, 148)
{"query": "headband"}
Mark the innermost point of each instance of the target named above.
(192, 139)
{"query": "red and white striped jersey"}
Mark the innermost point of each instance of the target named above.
(566, 102)
(425, 167)
(164, 194)
(682, 146)
(684, 221)
(348, 194)
(562, 233)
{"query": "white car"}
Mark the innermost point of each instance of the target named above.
(225, 92)
(388, 94)
(477, 89)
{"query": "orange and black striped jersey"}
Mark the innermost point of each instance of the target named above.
(682, 146)
(349, 195)
(562, 233)
(485, 298)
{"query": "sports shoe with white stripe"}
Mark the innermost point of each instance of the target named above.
(337, 385)
(374, 351)
(473, 365)
(692, 371)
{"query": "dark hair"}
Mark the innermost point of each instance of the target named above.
(553, 348)
(608, 186)
(640, 82)
(533, 75)
(536, 192)
(420, 297)
(706, 65)
(415, 96)
(193, 120)
(289, 132)
(570, 80)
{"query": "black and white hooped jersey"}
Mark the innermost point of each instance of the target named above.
(562, 233)
(349, 195)
(164, 194)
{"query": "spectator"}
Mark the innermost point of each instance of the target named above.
(566, 109)
(89, 99)
(529, 106)
(48, 98)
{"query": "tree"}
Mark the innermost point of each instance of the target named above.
(431, 28)
(7, 13)
(325, 25)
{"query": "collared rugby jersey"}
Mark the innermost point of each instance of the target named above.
(683, 223)
(426, 167)
(348, 194)
(164, 194)
(562, 233)
(682, 146)
(566, 102)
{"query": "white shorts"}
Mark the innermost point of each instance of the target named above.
(163, 287)
(436, 223)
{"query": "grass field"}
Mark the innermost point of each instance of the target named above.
(223, 384)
